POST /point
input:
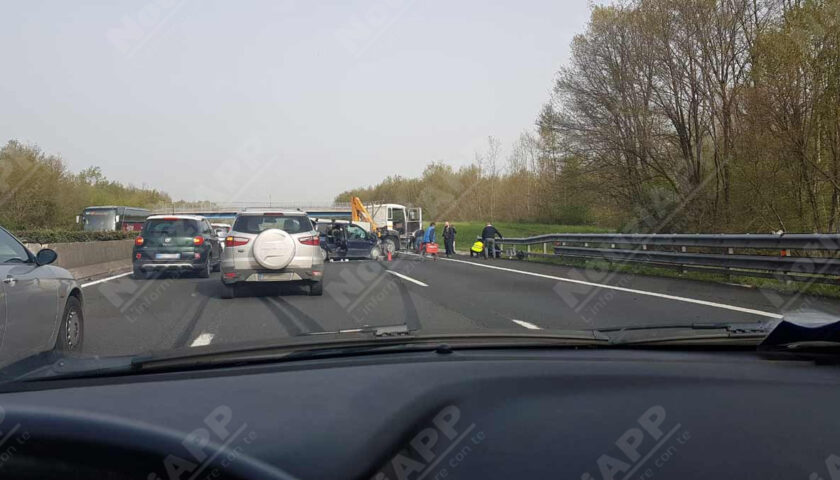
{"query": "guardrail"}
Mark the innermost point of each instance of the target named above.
(797, 257)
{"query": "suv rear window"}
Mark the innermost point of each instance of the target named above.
(259, 223)
(171, 228)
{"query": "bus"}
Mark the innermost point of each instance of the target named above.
(111, 218)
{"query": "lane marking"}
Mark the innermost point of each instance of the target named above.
(525, 324)
(628, 290)
(103, 280)
(201, 340)
(406, 277)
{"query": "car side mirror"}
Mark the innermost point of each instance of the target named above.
(45, 256)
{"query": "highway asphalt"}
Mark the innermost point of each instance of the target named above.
(128, 316)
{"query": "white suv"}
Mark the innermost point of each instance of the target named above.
(272, 246)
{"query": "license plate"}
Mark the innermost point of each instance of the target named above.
(274, 276)
(167, 256)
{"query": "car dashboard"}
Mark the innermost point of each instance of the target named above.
(587, 414)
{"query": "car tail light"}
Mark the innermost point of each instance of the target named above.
(139, 241)
(138, 256)
(313, 240)
(198, 241)
(235, 241)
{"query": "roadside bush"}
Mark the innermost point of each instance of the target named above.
(69, 236)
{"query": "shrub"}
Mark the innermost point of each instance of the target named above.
(68, 236)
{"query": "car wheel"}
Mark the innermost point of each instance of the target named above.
(71, 332)
(205, 269)
(390, 245)
(228, 291)
(316, 289)
(325, 255)
(375, 253)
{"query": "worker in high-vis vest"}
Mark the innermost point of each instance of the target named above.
(477, 248)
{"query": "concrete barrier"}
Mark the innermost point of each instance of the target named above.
(90, 259)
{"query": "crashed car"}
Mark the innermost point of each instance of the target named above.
(341, 239)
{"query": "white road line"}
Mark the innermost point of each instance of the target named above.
(628, 290)
(406, 277)
(102, 280)
(525, 324)
(201, 340)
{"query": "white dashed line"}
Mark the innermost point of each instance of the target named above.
(525, 324)
(201, 340)
(102, 280)
(406, 277)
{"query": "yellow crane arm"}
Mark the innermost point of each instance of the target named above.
(359, 213)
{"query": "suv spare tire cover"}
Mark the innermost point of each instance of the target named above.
(274, 249)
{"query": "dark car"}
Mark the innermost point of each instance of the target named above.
(341, 239)
(177, 242)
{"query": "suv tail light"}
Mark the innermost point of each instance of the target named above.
(235, 241)
(139, 241)
(198, 241)
(313, 240)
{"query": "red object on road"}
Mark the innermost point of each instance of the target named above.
(389, 255)
(431, 248)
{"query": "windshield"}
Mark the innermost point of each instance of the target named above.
(213, 177)
(99, 220)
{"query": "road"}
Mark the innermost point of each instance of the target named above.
(127, 316)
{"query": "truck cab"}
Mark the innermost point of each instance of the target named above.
(399, 220)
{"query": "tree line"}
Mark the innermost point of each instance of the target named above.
(38, 191)
(671, 115)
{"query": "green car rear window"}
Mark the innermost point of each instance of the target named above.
(171, 228)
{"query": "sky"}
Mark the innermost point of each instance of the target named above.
(289, 99)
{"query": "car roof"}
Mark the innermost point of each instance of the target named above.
(197, 218)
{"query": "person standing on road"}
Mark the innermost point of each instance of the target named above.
(488, 237)
(449, 238)
(417, 239)
(428, 237)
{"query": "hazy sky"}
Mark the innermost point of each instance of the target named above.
(224, 100)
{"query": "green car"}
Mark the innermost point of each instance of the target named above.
(176, 242)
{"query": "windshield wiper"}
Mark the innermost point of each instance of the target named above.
(313, 346)
(726, 330)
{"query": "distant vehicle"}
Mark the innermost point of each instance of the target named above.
(340, 239)
(180, 242)
(272, 246)
(221, 229)
(391, 222)
(42, 304)
(112, 218)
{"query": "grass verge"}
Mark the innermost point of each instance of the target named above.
(467, 231)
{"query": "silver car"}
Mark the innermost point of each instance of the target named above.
(40, 304)
(272, 247)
